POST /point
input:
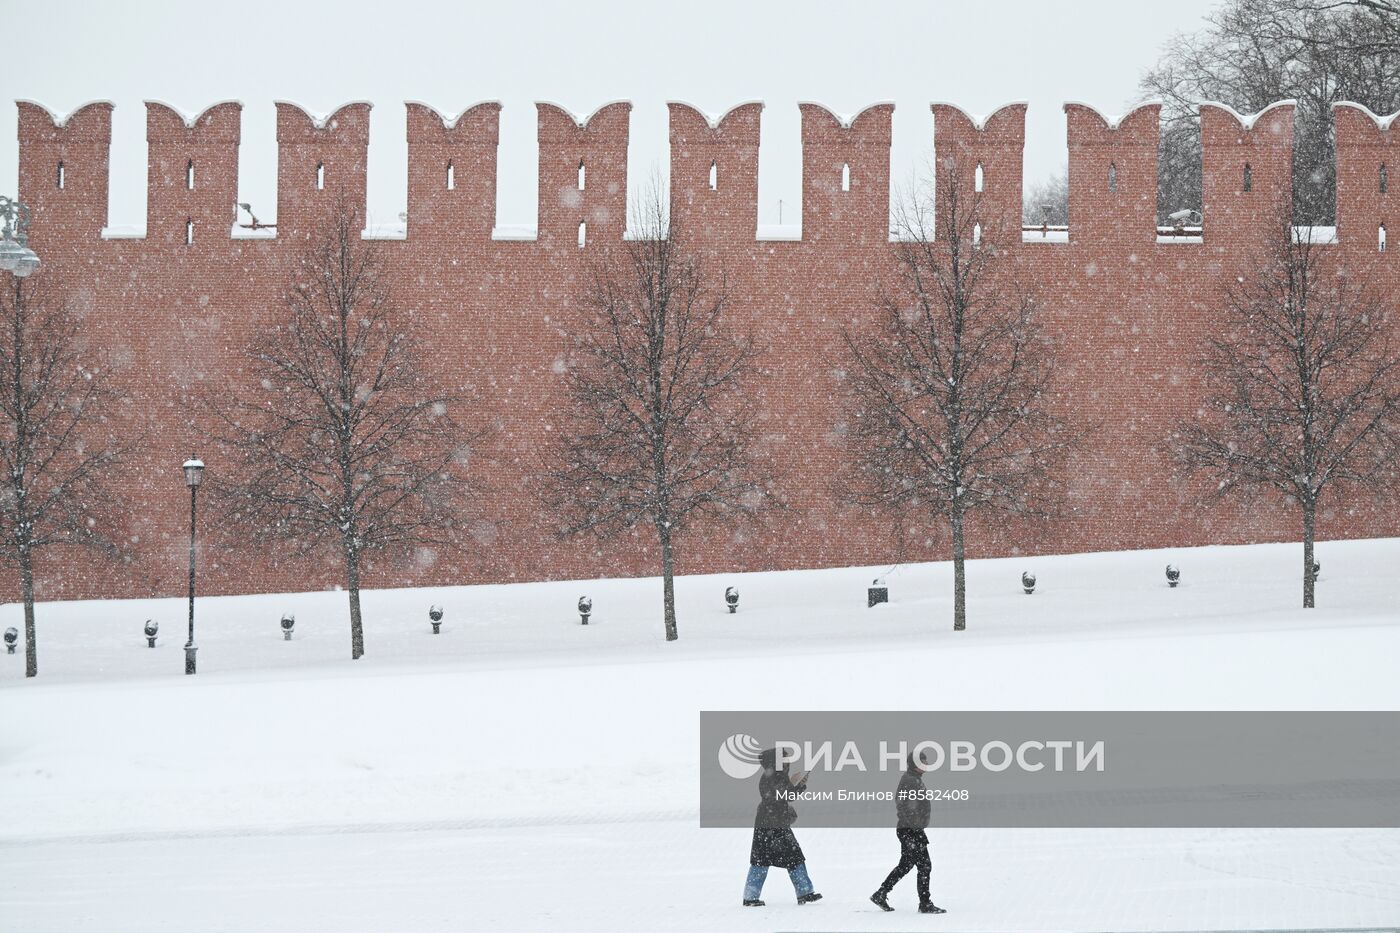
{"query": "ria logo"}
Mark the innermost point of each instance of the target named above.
(738, 756)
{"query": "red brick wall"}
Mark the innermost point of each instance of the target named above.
(170, 320)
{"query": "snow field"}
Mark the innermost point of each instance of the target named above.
(521, 771)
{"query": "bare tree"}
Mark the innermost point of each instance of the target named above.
(947, 389)
(659, 425)
(1303, 388)
(55, 444)
(1253, 53)
(341, 440)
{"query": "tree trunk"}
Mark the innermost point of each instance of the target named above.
(668, 581)
(959, 575)
(352, 581)
(1309, 530)
(31, 649)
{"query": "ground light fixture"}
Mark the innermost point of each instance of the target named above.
(152, 627)
(11, 636)
(1028, 582)
(289, 622)
(879, 592)
(435, 617)
(1173, 575)
(585, 608)
(731, 598)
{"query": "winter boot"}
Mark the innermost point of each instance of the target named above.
(753, 903)
(881, 899)
(931, 908)
(809, 898)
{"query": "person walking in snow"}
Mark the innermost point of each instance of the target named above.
(773, 839)
(911, 807)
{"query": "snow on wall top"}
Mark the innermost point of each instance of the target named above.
(450, 123)
(91, 122)
(711, 121)
(480, 123)
(1382, 123)
(559, 122)
(1147, 109)
(219, 122)
(980, 123)
(848, 121)
(317, 119)
(1247, 121)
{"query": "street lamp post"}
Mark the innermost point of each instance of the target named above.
(194, 475)
(19, 260)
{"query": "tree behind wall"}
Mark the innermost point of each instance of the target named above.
(947, 408)
(1253, 53)
(341, 442)
(1047, 201)
(56, 446)
(1303, 395)
(658, 429)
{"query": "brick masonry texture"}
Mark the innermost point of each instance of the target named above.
(171, 319)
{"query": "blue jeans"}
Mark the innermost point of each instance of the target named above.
(753, 887)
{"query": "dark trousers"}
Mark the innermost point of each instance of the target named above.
(913, 853)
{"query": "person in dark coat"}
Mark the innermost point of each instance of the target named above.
(911, 807)
(773, 839)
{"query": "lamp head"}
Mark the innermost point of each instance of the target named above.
(194, 472)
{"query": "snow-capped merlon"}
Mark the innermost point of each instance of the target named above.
(846, 121)
(92, 122)
(1382, 123)
(711, 121)
(450, 123)
(608, 113)
(221, 122)
(1148, 109)
(294, 121)
(980, 123)
(1246, 121)
(62, 122)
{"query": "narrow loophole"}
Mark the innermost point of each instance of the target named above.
(582, 234)
(451, 176)
(1380, 239)
(1112, 176)
(61, 179)
(714, 176)
(1248, 177)
(189, 232)
(320, 176)
(846, 176)
(977, 178)
(189, 175)
(976, 234)
(1384, 179)
(582, 175)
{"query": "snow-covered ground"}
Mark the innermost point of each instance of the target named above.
(521, 771)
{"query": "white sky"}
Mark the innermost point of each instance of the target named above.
(193, 53)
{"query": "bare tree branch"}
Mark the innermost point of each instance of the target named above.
(344, 442)
(947, 392)
(55, 447)
(1303, 388)
(660, 427)
(1256, 52)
